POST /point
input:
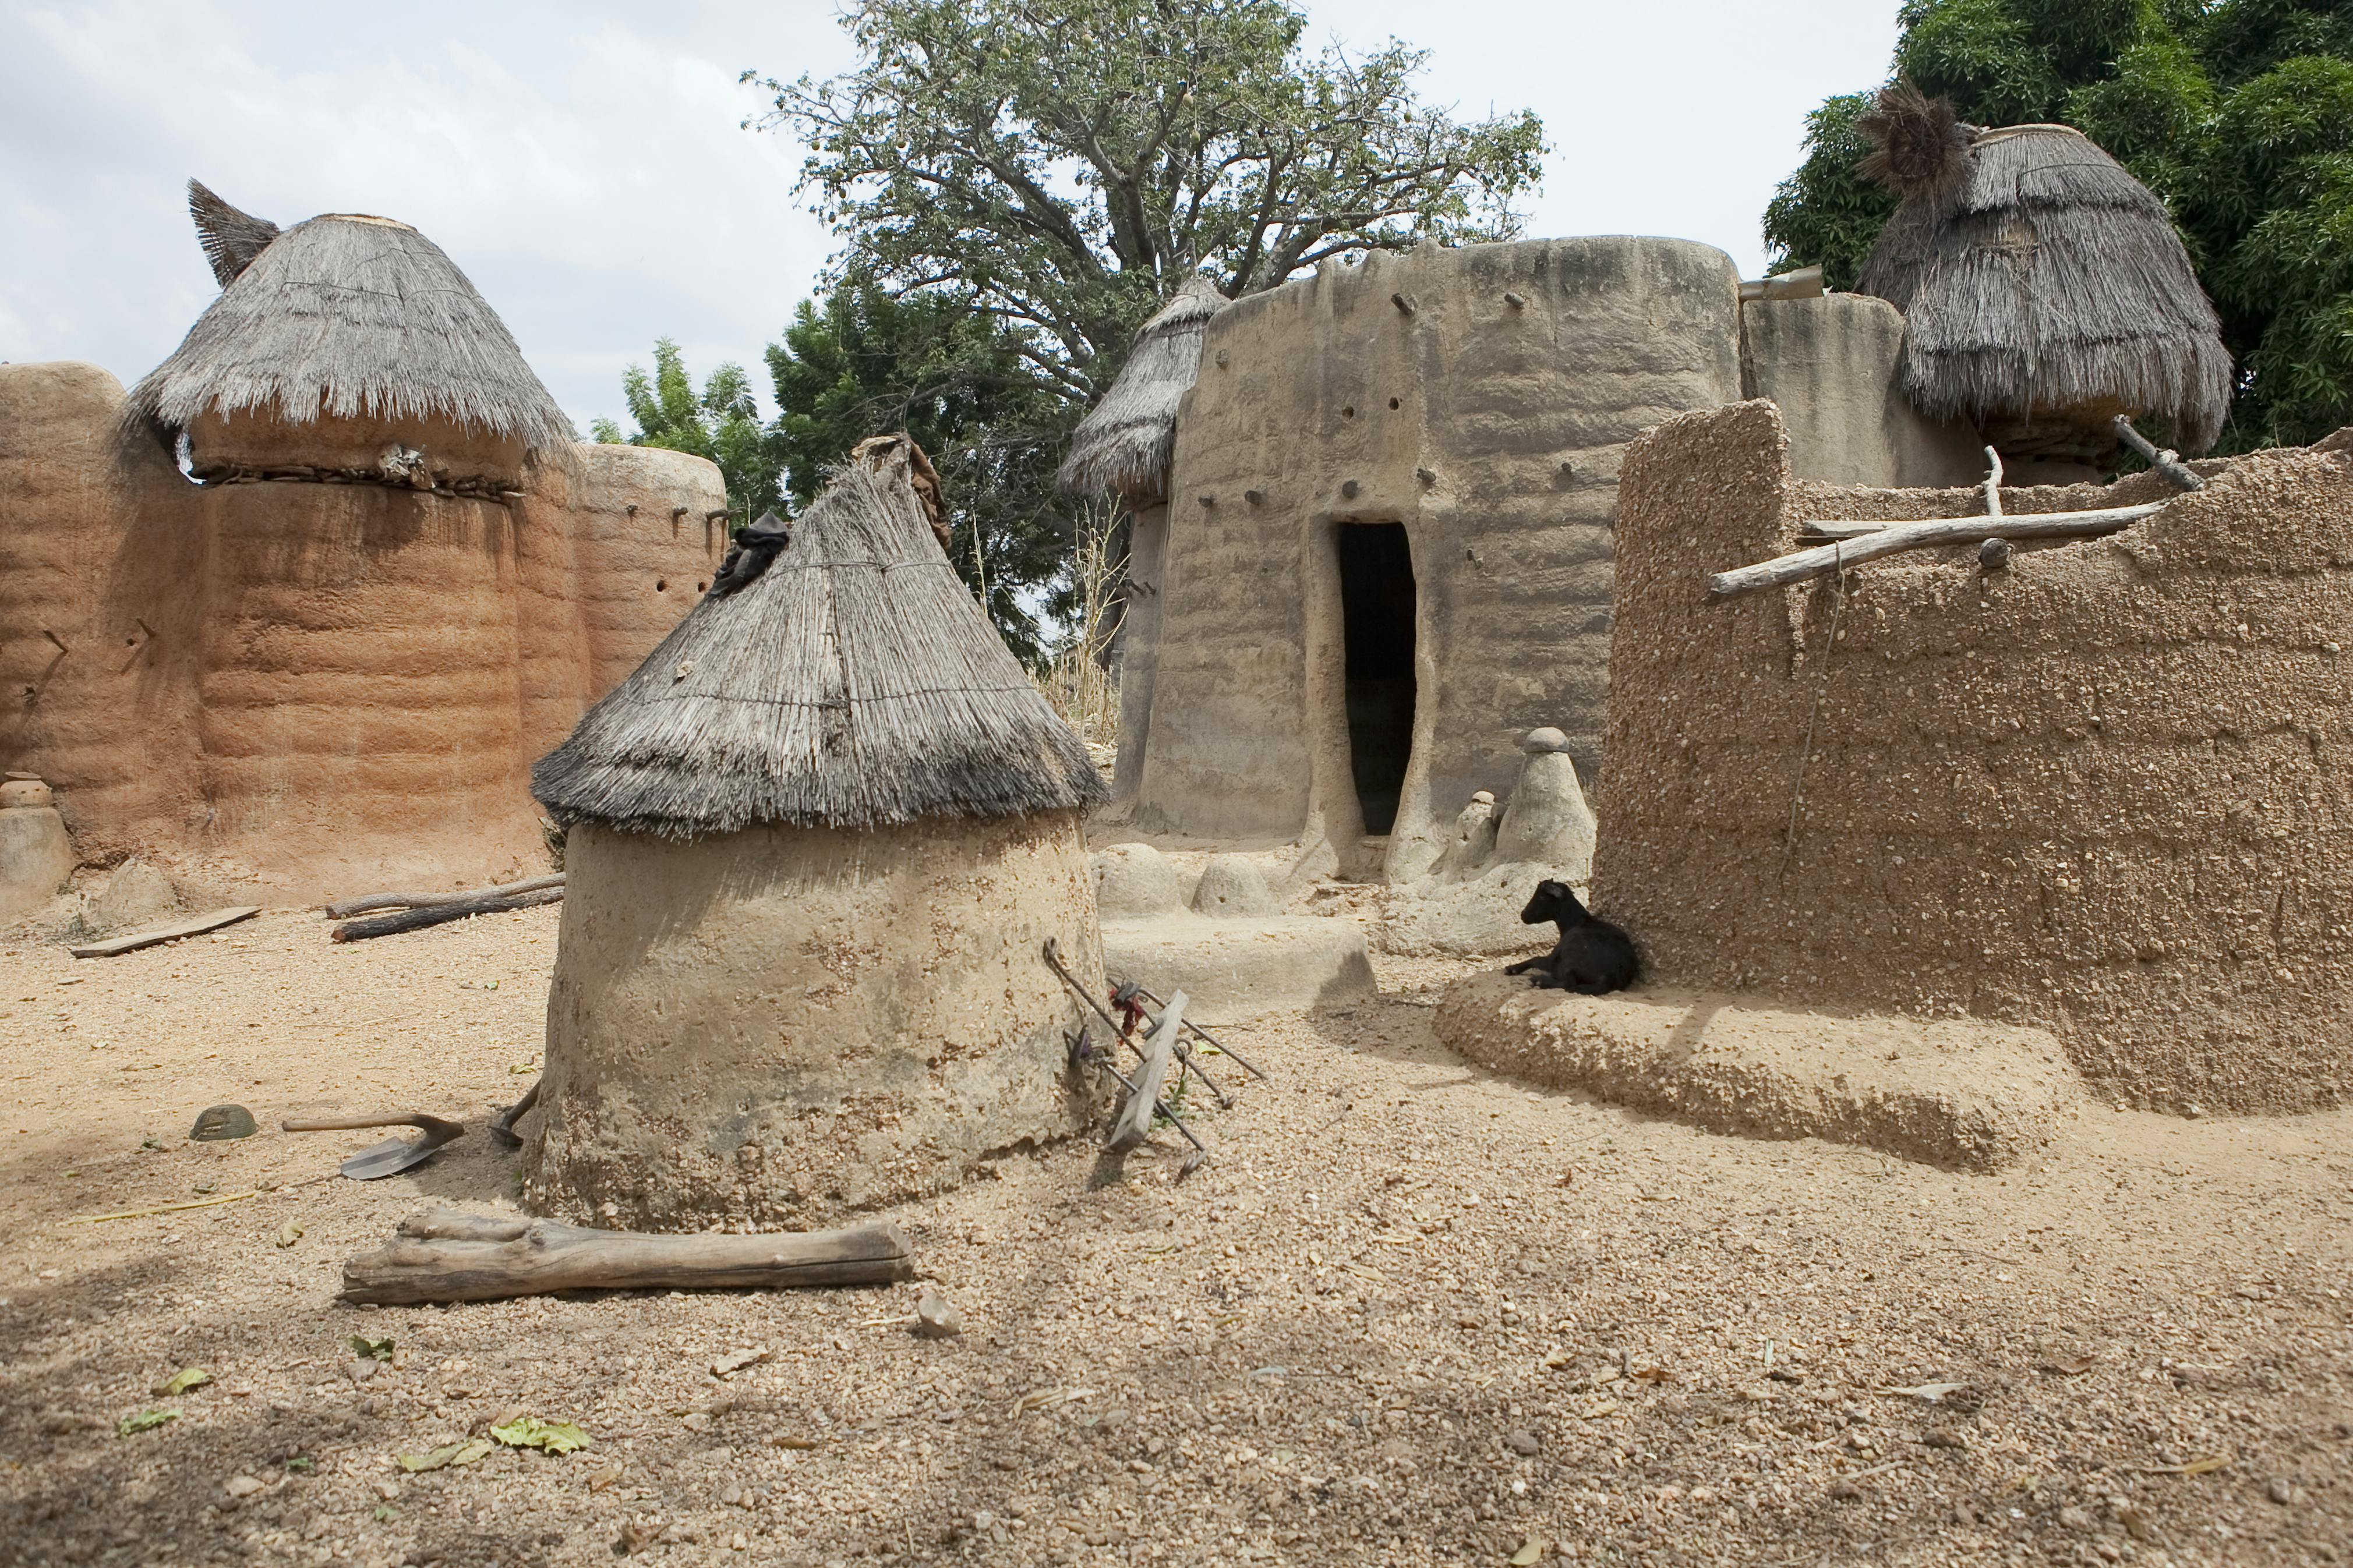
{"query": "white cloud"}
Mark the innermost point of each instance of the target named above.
(583, 161)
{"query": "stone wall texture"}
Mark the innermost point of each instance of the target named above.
(314, 688)
(2104, 790)
(787, 1026)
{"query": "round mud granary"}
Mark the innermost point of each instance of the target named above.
(816, 845)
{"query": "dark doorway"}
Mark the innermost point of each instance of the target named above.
(1376, 616)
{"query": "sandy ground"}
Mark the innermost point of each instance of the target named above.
(1410, 1313)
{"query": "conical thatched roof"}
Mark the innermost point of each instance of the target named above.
(1125, 441)
(853, 683)
(2037, 277)
(346, 316)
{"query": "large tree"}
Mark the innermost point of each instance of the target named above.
(722, 423)
(1064, 164)
(2238, 112)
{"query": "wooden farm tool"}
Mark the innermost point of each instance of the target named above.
(446, 1255)
(1124, 994)
(392, 1155)
(1143, 1089)
(503, 1124)
(1205, 1038)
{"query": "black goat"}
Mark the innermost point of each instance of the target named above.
(1592, 957)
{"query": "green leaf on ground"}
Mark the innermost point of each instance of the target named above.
(371, 1350)
(182, 1381)
(464, 1453)
(530, 1432)
(289, 1234)
(145, 1421)
(385, 1513)
(301, 1464)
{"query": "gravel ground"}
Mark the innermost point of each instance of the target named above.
(1410, 1313)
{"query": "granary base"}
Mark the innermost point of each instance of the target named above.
(1967, 1095)
(787, 1026)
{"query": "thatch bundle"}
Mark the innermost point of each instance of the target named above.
(2042, 285)
(1125, 441)
(343, 317)
(854, 683)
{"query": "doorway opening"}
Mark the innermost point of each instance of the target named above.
(1377, 613)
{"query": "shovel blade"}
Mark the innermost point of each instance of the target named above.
(390, 1157)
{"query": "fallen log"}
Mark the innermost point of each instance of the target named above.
(373, 902)
(194, 925)
(446, 1255)
(1889, 539)
(437, 914)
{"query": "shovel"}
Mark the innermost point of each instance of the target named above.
(392, 1155)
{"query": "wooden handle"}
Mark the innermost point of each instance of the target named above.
(342, 1125)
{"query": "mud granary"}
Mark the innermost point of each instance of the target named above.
(302, 607)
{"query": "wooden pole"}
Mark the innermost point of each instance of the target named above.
(436, 914)
(1892, 539)
(373, 902)
(448, 1255)
(1992, 486)
(2166, 461)
(1134, 1123)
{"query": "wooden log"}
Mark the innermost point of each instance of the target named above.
(1891, 539)
(194, 925)
(437, 914)
(350, 906)
(1992, 486)
(1134, 1123)
(2166, 461)
(446, 1255)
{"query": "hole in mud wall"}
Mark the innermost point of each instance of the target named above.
(1376, 616)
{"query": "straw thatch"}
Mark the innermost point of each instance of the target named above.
(855, 683)
(346, 317)
(231, 237)
(1125, 441)
(2038, 280)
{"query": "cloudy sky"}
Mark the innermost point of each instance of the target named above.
(583, 161)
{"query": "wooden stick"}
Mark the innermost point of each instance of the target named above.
(1894, 538)
(350, 906)
(194, 925)
(446, 1255)
(2167, 461)
(164, 1208)
(1992, 486)
(437, 914)
(1134, 1123)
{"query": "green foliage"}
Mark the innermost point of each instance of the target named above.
(2239, 114)
(721, 422)
(1827, 213)
(954, 377)
(1019, 184)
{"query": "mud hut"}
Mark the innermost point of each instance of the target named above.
(2044, 290)
(1125, 445)
(346, 342)
(816, 845)
(326, 665)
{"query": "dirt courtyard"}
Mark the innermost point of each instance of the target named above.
(1410, 1313)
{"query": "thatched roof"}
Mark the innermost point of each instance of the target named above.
(2037, 277)
(343, 315)
(853, 683)
(1125, 441)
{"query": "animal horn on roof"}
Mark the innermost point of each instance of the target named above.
(231, 237)
(1921, 144)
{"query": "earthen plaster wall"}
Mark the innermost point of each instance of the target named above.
(789, 1025)
(2104, 790)
(313, 687)
(1481, 397)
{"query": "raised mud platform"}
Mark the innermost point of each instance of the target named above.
(1966, 1094)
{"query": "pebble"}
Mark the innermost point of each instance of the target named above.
(2279, 1492)
(1521, 1443)
(244, 1486)
(935, 1316)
